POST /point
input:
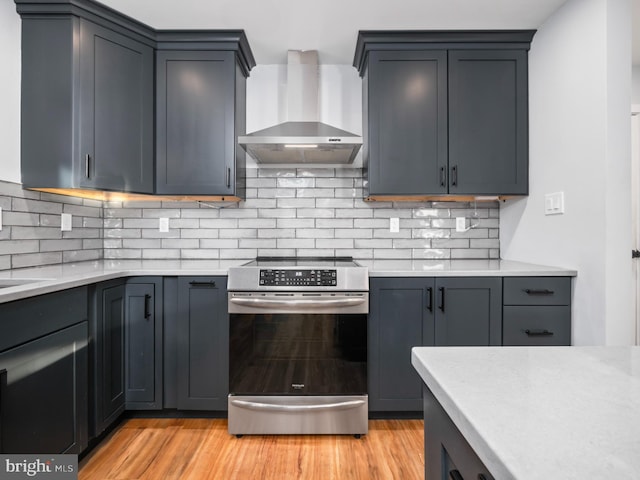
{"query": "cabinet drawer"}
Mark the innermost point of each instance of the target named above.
(30, 318)
(536, 325)
(537, 291)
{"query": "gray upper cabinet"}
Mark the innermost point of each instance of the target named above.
(200, 113)
(488, 122)
(87, 103)
(406, 142)
(116, 111)
(445, 113)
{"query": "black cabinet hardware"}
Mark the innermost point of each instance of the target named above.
(635, 253)
(454, 176)
(430, 299)
(228, 177)
(441, 306)
(147, 311)
(544, 291)
(481, 477)
(443, 180)
(538, 333)
(455, 475)
(87, 159)
(203, 284)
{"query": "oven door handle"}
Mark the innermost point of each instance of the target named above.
(274, 302)
(347, 404)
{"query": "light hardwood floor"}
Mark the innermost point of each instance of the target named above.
(195, 449)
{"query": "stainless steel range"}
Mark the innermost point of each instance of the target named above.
(298, 346)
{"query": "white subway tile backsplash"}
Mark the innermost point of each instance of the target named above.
(218, 243)
(35, 259)
(60, 245)
(303, 211)
(12, 247)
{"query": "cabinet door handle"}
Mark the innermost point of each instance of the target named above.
(87, 162)
(228, 177)
(538, 333)
(147, 309)
(430, 299)
(441, 306)
(443, 180)
(542, 291)
(203, 284)
(454, 176)
(455, 475)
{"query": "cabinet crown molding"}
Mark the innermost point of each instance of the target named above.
(437, 39)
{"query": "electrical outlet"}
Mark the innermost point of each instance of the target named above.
(163, 224)
(394, 225)
(66, 222)
(461, 224)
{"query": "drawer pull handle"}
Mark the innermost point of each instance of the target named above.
(441, 306)
(203, 284)
(539, 333)
(543, 291)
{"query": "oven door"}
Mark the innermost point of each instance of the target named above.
(298, 343)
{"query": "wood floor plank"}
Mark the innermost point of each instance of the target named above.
(199, 449)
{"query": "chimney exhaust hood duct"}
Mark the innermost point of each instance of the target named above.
(303, 139)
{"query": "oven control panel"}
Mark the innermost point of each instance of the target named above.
(298, 278)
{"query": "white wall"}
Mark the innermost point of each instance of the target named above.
(635, 85)
(10, 92)
(579, 96)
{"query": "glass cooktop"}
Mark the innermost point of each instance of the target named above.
(312, 262)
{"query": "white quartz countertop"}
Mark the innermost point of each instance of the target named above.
(458, 268)
(51, 278)
(542, 412)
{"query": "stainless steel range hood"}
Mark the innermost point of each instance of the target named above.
(302, 139)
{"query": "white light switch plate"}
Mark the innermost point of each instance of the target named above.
(163, 224)
(65, 222)
(394, 225)
(461, 224)
(554, 203)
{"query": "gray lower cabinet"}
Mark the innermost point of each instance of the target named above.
(143, 343)
(447, 455)
(444, 112)
(43, 374)
(200, 104)
(468, 311)
(421, 311)
(537, 311)
(202, 344)
(107, 343)
(87, 104)
(401, 316)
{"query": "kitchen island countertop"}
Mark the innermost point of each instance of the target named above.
(542, 412)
